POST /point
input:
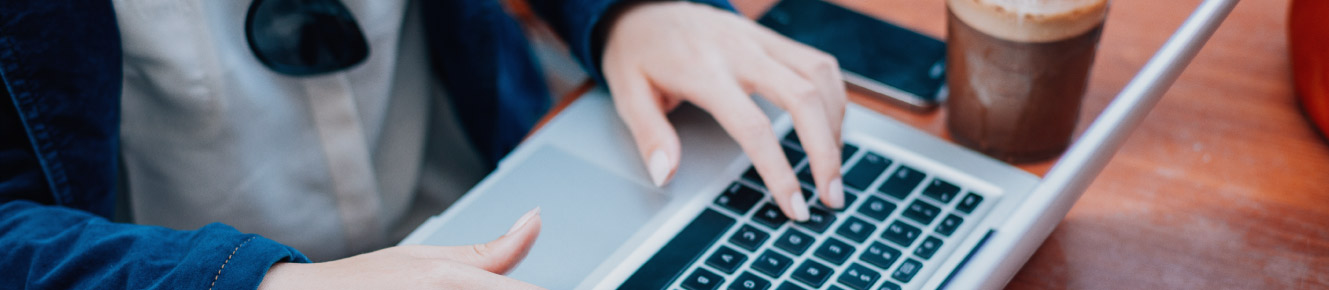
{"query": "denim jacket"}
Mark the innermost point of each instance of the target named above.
(60, 65)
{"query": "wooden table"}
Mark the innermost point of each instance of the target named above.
(1224, 186)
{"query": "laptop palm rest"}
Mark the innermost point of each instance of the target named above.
(588, 212)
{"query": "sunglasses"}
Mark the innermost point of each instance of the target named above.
(304, 37)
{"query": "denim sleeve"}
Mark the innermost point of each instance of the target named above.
(52, 247)
(60, 76)
(576, 21)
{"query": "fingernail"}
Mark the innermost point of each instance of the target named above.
(835, 197)
(800, 207)
(659, 167)
(526, 218)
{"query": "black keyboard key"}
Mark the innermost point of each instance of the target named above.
(921, 212)
(770, 215)
(681, 251)
(753, 176)
(812, 273)
(865, 171)
(749, 237)
(901, 182)
(907, 270)
(748, 281)
(901, 233)
(846, 152)
(701, 279)
(833, 287)
(969, 202)
(887, 285)
(805, 176)
(739, 198)
(835, 251)
(880, 255)
(941, 190)
(928, 247)
(949, 224)
(794, 241)
(856, 229)
(771, 263)
(792, 137)
(818, 220)
(858, 277)
(877, 208)
(793, 155)
(726, 259)
(790, 286)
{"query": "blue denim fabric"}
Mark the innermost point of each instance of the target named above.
(60, 65)
(484, 62)
(52, 247)
(60, 62)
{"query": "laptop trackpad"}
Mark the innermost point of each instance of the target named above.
(587, 211)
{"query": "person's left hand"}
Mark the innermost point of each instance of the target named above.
(659, 54)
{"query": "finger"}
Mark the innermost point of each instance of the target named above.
(502, 254)
(643, 111)
(805, 102)
(821, 68)
(751, 128)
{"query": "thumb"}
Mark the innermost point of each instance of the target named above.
(643, 111)
(500, 255)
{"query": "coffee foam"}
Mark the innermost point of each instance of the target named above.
(1030, 20)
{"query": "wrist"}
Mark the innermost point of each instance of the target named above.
(279, 276)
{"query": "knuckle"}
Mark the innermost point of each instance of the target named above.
(481, 250)
(805, 95)
(826, 61)
(823, 64)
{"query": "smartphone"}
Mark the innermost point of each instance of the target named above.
(877, 57)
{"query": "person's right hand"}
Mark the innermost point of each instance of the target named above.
(659, 54)
(418, 267)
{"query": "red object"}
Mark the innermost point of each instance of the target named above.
(1308, 40)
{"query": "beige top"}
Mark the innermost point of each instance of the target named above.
(333, 165)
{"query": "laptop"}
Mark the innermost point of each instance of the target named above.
(921, 213)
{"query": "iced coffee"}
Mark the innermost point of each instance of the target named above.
(1017, 70)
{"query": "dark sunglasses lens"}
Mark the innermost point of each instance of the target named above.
(305, 37)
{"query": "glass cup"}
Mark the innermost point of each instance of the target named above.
(1017, 71)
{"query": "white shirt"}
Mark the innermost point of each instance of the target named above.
(332, 165)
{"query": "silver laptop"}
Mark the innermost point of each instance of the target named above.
(921, 213)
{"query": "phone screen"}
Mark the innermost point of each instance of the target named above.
(871, 48)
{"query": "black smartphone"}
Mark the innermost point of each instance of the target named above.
(877, 57)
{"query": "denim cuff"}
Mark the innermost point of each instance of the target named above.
(244, 264)
(53, 247)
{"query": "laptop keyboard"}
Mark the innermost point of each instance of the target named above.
(889, 235)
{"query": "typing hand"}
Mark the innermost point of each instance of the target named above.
(657, 55)
(418, 267)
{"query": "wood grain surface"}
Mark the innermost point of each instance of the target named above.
(1224, 186)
